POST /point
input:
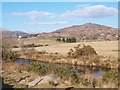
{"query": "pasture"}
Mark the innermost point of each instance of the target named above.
(105, 48)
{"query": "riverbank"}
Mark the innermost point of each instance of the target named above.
(20, 76)
(97, 61)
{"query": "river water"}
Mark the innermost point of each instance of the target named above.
(96, 72)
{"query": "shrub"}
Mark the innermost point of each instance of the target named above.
(46, 44)
(15, 46)
(39, 45)
(63, 72)
(28, 45)
(88, 50)
(84, 51)
(9, 55)
(8, 42)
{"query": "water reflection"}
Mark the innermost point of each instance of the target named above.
(94, 72)
(23, 61)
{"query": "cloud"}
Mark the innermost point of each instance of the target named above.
(82, 5)
(35, 14)
(47, 23)
(87, 11)
(98, 11)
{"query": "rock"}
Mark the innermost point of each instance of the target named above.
(43, 80)
(22, 78)
(35, 82)
(48, 78)
(56, 82)
(67, 82)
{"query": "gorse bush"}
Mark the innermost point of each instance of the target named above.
(38, 68)
(81, 51)
(88, 50)
(65, 73)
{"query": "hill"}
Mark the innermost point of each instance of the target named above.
(88, 31)
(9, 32)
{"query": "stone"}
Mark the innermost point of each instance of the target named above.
(35, 82)
(22, 78)
(48, 78)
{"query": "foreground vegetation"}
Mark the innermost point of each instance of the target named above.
(67, 75)
(72, 75)
(81, 54)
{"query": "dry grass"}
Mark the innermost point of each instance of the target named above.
(106, 48)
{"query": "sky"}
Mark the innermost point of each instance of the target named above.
(34, 17)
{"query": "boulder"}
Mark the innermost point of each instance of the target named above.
(22, 78)
(48, 78)
(35, 82)
(43, 80)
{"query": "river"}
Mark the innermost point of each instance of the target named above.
(96, 72)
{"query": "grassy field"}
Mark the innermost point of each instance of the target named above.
(105, 48)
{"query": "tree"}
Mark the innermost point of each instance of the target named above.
(73, 40)
(58, 39)
(63, 39)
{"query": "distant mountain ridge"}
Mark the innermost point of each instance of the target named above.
(88, 31)
(12, 32)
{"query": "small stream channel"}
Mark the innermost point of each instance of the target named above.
(95, 72)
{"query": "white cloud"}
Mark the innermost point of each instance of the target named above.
(87, 11)
(35, 14)
(98, 11)
(82, 5)
(47, 23)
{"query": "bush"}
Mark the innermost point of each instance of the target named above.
(8, 41)
(63, 72)
(88, 50)
(84, 51)
(46, 44)
(39, 45)
(28, 45)
(15, 46)
(9, 54)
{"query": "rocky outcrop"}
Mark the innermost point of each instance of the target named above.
(43, 80)
(35, 82)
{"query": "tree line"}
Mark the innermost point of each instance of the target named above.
(68, 40)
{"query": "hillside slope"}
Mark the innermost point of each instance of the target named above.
(88, 31)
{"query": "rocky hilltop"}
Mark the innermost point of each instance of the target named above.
(88, 31)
